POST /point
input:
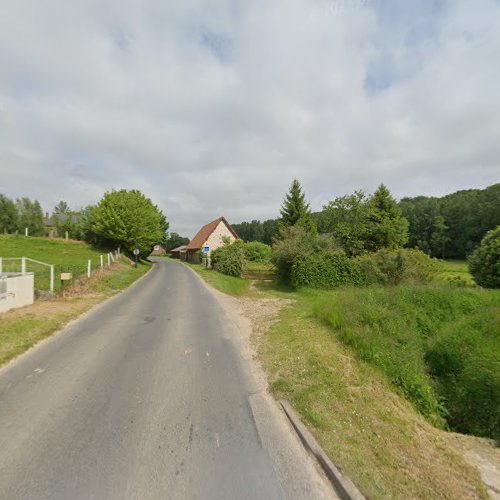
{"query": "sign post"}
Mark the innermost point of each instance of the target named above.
(136, 253)
(206, 249)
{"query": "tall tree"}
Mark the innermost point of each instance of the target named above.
(439, 236)
(295, 210)
(8, 215)
(388, 228)
(30, 216)
(175, 240)
(130, 220)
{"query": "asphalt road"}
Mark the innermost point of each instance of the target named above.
(148, 396)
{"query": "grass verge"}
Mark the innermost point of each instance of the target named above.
(226, 284)
(22, 328)
(454, 272)
(374, 435)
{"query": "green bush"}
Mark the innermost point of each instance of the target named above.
(255, 251)
(395, 267)
(295, 243)
(229, 259)
(325, 270)
(484, 262)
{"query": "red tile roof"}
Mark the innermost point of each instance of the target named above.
(203, 234)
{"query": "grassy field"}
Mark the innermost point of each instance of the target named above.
(454, 272)
(67, 256)
(22, 328)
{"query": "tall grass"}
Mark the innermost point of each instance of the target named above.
(439, 346)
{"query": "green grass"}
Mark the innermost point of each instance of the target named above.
(454, 272)
(22, 328)
(67, 256)
(349, 403)
(258, 271)
(226, 284)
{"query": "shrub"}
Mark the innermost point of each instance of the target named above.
(294, 243)
(256, 251)
(229, 259)
(394, 267)
(484, 262)
(325, 270)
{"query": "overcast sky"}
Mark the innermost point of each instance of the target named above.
(213, 107)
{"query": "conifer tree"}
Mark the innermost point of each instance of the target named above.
(295, 210)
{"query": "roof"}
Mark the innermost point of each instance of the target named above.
(182, 248)
(204, 233)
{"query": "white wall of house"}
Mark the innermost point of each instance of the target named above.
(215, 239)
(16, 290)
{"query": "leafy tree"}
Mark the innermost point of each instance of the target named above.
(175, 240)
(439, 237)
(66, 220)
(229, 259)
(8, 215)
(256, 230)
(295, 210)
(255, 251)
(30, 216)
(387, 227)
(484, 262)
(130, 220)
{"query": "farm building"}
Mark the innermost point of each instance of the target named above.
(179, 252)
(210, 237)
(158, 250)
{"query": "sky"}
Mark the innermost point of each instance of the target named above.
(213, 107)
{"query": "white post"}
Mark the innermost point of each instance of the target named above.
(52, 278)
(1, 265)
(66, 235)
(109, 260)
(112, 256)
(23, 265)
(25, 231)
(89, 268)
(102, 262)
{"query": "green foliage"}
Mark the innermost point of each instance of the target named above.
(229, 259)
(295, 210)
(8, 215)
(295, 243)
(66, 221)
(439, 346)
(466, 217)
(255, 251)
(394, 267)
(484, 262)
(365, 224)
(257, 231)
(175, 240)
(130, 220)
(30, 216)
(325, 270)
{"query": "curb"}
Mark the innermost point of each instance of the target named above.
(345, 488)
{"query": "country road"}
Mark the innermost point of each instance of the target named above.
(147, 396)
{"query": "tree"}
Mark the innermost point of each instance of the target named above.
(175, 240)
(130, 220)
(387, 227)
(8, 215)
(484, 262)
(295, 210)
(439, 237)
(66, 220)
(30, 216)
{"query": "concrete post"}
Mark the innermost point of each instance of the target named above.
(23, 265)
(109, 260)
(1, 265)
(52, 278)
(25, 231)
(102, 262)
(89, 268)
(66, 235)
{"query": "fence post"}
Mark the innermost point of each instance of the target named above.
(89, 268)
(66, 235)
(25, 231)
(1, 265)
(23, 265)
(52, 278)
(102, 262)
(109, 260)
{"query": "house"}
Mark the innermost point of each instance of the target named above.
(158, 250)
(179, 252)
(210, 237)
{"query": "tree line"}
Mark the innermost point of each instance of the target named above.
(447, 227)
(124, 218)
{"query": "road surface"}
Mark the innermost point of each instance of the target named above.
(147, 397)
